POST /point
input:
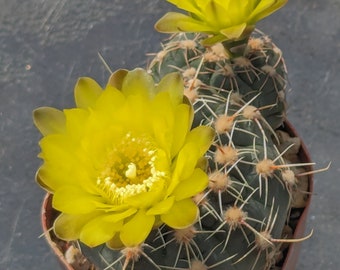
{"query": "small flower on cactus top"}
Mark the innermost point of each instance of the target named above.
(124, 161)
(222, 20)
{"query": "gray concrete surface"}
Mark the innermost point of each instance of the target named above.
(45, 45)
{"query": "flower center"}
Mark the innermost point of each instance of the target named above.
(129, 169)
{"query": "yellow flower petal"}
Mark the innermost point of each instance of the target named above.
(74, 165)
(139, 109)
(49, 120)
(184, 165)
(163, 121)
(265, 8)
(236, 11)
(68, 227)
(176, 22)
(115, 242)
(215, 14)
(182, 214)
(202, 163)
(137, 229)
(49, 180)
(40, 180)
(116, 216)
(116, 79)
(173, 84)
(182, 127)
(162, 161)
(98, 230)
(145, 200)
(191, 186)
(110, 101)
(57, 147)
(186, 161)
(161, 207)
(95, 145)
(203, 136)
(138, 82)
(223, 20)
(75, 119)
(72, 200)
(86, 92)
(202, 4)
(234, 32)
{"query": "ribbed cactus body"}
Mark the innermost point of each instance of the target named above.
(247, 201)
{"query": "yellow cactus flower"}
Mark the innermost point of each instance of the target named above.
(124, 161)
(220, 19)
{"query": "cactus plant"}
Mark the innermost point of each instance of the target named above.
(237, 86)
(236, 79)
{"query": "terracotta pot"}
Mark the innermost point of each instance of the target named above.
(294, 249)
(49, 214)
